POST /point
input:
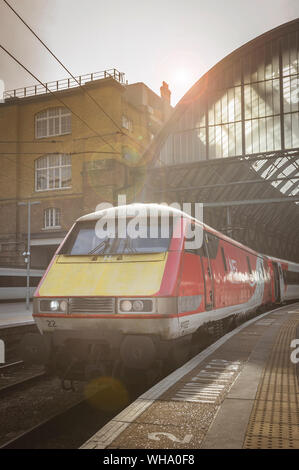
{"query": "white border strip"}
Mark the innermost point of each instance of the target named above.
(15, 325)
(108, 433)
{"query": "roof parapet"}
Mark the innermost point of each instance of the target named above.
(64, 84)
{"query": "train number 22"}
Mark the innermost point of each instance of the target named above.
(51, 323)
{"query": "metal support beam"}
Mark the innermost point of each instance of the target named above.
(288, 153)
(220, 185)
(251, 201)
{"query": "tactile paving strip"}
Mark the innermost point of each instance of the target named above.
(274, 420)
(210, 384)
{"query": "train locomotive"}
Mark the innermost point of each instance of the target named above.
(109, 303)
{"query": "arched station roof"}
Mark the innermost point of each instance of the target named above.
(232, 143)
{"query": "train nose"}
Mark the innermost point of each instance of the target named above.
(138, 352)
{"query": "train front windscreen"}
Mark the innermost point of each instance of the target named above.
(87, 238)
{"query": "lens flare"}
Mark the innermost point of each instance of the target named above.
(106, 394)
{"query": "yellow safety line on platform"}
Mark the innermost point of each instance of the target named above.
(274, 420)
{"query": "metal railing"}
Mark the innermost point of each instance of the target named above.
(64, 84)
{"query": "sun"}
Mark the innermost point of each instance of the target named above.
(182, 76)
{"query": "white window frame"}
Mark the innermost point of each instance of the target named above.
(51, 214)
(44, 116)
(127, 123)
(47, 169)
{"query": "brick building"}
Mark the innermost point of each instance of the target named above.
(70, 157)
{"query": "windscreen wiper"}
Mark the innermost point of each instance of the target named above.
(101, 246)
(128, 245)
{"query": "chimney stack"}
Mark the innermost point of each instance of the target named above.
(165, 92)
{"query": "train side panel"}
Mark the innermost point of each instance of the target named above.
(219, 280)
(291, 279)
(284, 279)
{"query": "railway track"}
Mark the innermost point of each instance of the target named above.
(21, 384)
(66, 430)
(11, 365)
(12, 335)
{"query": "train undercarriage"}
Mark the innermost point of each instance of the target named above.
(81, 356)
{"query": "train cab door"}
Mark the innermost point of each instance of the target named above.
(207, 269)
(277, 290)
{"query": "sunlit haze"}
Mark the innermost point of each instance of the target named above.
(152, 41)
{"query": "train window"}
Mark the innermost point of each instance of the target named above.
(202, 251)
(291, 277)
(223, 259)
(249, 265)
(212, 243)
(196, 251)
(209, 246)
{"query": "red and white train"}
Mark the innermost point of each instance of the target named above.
(138, 302)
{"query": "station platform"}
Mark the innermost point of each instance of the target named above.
(241, 392)
(15, 314)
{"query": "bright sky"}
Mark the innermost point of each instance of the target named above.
(150, 40)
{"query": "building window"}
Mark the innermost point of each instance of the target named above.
(127, 123)
(53, 172)
(52, 218)
(52, 121)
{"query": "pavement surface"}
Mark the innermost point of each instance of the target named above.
(13, 313)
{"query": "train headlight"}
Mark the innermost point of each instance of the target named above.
(63, 305)
(136, 305)
(126, 306)
(54, 305)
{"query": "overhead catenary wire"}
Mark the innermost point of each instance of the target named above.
(62, 65)
(61, 152)
(15, 161)
(21, 178)
(5, 156)
(31, 141)
(54, 94)
(18, 179)
(32, 167)
(42, 141)
(73, 77)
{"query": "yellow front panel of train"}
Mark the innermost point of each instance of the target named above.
(132, 275)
